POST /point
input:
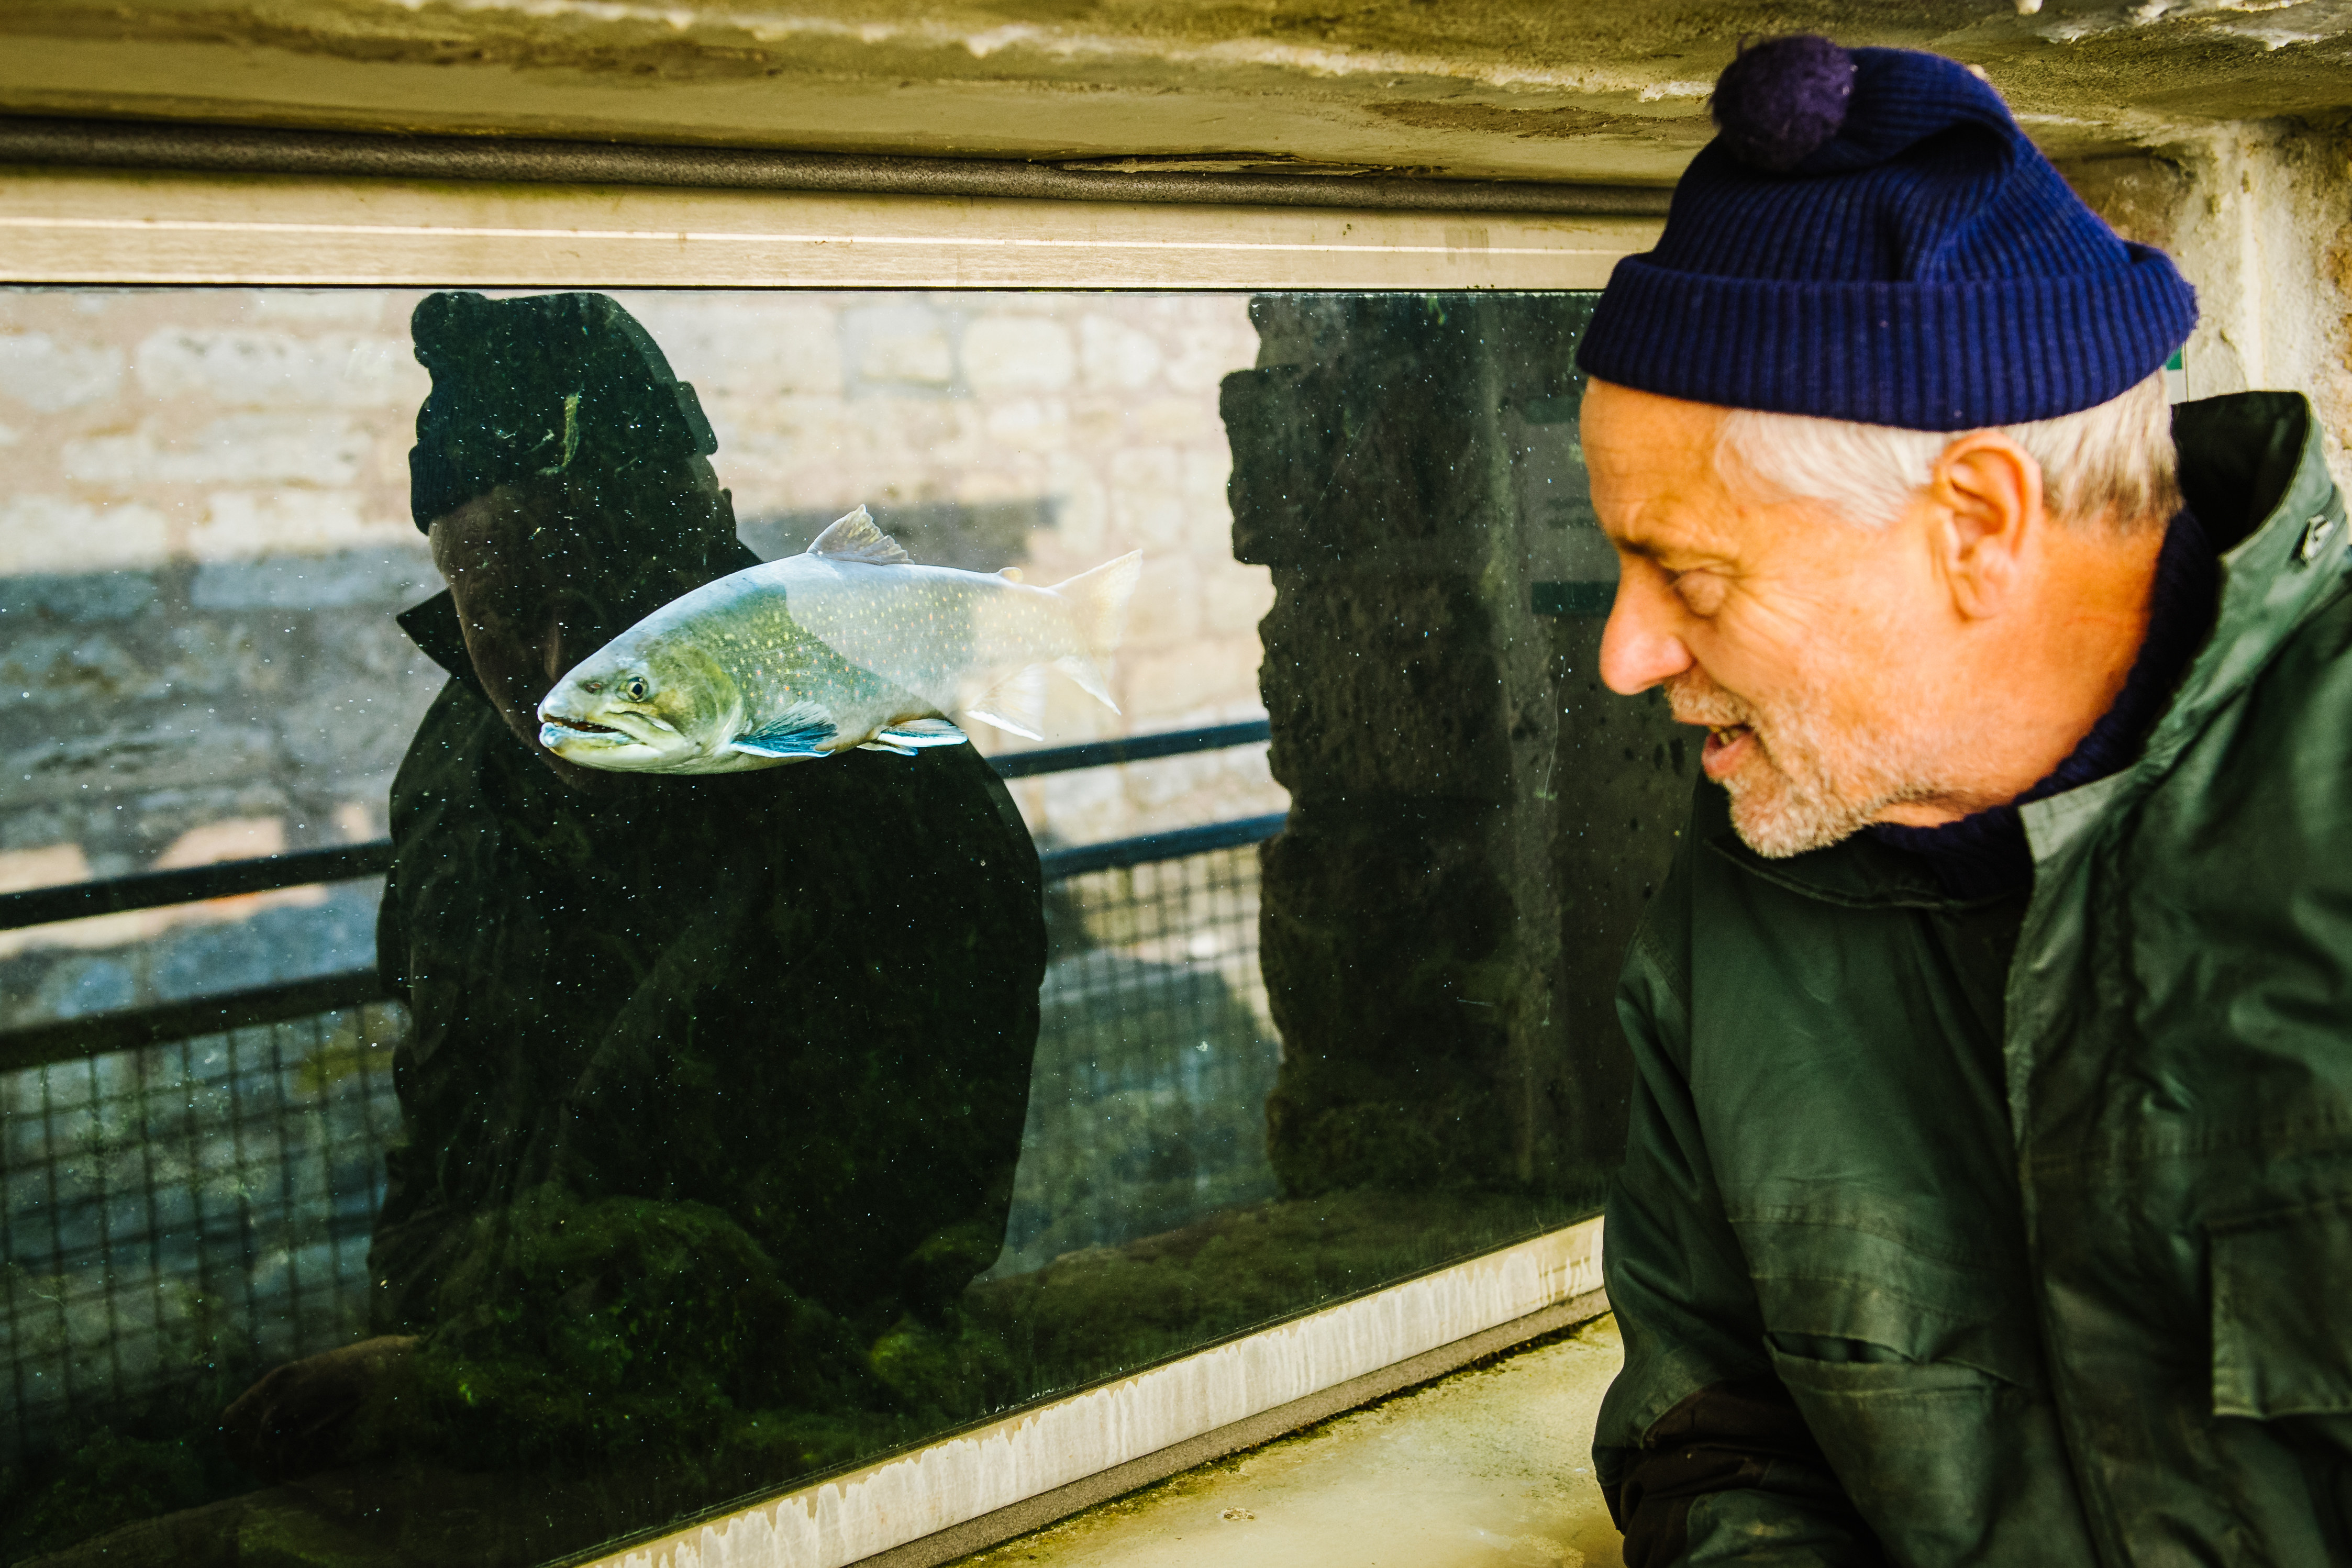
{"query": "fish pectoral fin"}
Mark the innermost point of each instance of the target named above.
(800, 733)
(922, 732)
(885, 746)
(855, 537)
(1017, 705)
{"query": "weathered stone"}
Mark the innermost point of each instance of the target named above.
(1179, 682)
(793, 348)
(1234, 598)
(275, 945)
(1116, 355)
(79, 598)
(906, 345)
(280, 370)
(1502, 89)
(293, 448)
(356, 726)
(1433, 942)
(48, 376)
(41, 534)
(80, 987)
(396, 575)
(1018, 353)
(247, 523)
(1028, 421)
(53, 671)
(261, 501)
(175, 754)
(1145, 501)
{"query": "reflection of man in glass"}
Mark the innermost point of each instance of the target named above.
(777, 1025)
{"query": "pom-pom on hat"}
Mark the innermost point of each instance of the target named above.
(543, 385)
(1870, 237)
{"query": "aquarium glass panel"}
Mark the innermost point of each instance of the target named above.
(616, 901)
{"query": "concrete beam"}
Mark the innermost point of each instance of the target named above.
(1611, 91)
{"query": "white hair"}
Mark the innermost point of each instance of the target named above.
(2113, 464)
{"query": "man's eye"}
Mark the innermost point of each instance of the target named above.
(1701, 591)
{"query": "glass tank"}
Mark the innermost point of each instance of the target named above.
(610, 903)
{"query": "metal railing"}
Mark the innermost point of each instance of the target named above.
(131, 1028)
(190, 1187)
(346, 862)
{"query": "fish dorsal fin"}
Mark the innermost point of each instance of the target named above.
(855, 537)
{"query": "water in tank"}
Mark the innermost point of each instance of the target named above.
(617, 900)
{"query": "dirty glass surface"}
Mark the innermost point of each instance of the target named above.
(477, 1086)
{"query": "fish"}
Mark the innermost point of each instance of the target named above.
(849, 645)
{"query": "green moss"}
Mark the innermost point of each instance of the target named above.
(573, 1332)
(1109, 1311)
(99, 1483)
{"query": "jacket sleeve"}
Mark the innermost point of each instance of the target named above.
(1700, 1452)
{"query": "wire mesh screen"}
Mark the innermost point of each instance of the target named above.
(1155, 1054)
(179, 1218)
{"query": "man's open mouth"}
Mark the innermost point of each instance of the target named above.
(1723, 746)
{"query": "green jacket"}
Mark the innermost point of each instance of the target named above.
(2040, 1212)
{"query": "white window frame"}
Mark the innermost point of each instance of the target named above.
(62, 225)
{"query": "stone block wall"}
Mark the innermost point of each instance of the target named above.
(205, 532)
(1472, 830)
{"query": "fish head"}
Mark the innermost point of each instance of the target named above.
(643, 705)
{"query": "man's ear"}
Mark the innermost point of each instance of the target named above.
(1986, 495)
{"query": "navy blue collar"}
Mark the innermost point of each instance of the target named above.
(1985, 856)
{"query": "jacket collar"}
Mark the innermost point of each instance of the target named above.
(2253, 471)
(1858, 873)
(2281, 561)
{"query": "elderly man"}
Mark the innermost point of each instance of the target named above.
(1988, 1198)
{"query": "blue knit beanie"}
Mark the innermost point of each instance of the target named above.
(1870, 237)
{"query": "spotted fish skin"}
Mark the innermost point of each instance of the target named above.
(846, 645)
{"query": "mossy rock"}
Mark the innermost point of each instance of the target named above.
(574, 1332)
(97, 1485)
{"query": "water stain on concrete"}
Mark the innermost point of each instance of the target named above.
(1490, 1468)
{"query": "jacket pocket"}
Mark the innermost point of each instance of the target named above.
(1948, 1464)
(2282, 1283)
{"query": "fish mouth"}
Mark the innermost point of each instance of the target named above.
(557, 733)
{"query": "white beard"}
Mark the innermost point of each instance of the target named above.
(1805, 787)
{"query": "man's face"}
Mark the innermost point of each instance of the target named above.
(1803, 642)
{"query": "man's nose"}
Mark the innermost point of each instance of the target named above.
(1639, 647)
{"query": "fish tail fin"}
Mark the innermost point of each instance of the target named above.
(1098, 601)
(1016, 705)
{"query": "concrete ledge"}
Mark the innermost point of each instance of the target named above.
(968, 1492)
(1036, 1513)
(60, 224)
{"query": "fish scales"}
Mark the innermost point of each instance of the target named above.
(848, 644)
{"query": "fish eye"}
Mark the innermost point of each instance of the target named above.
(635, 687)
